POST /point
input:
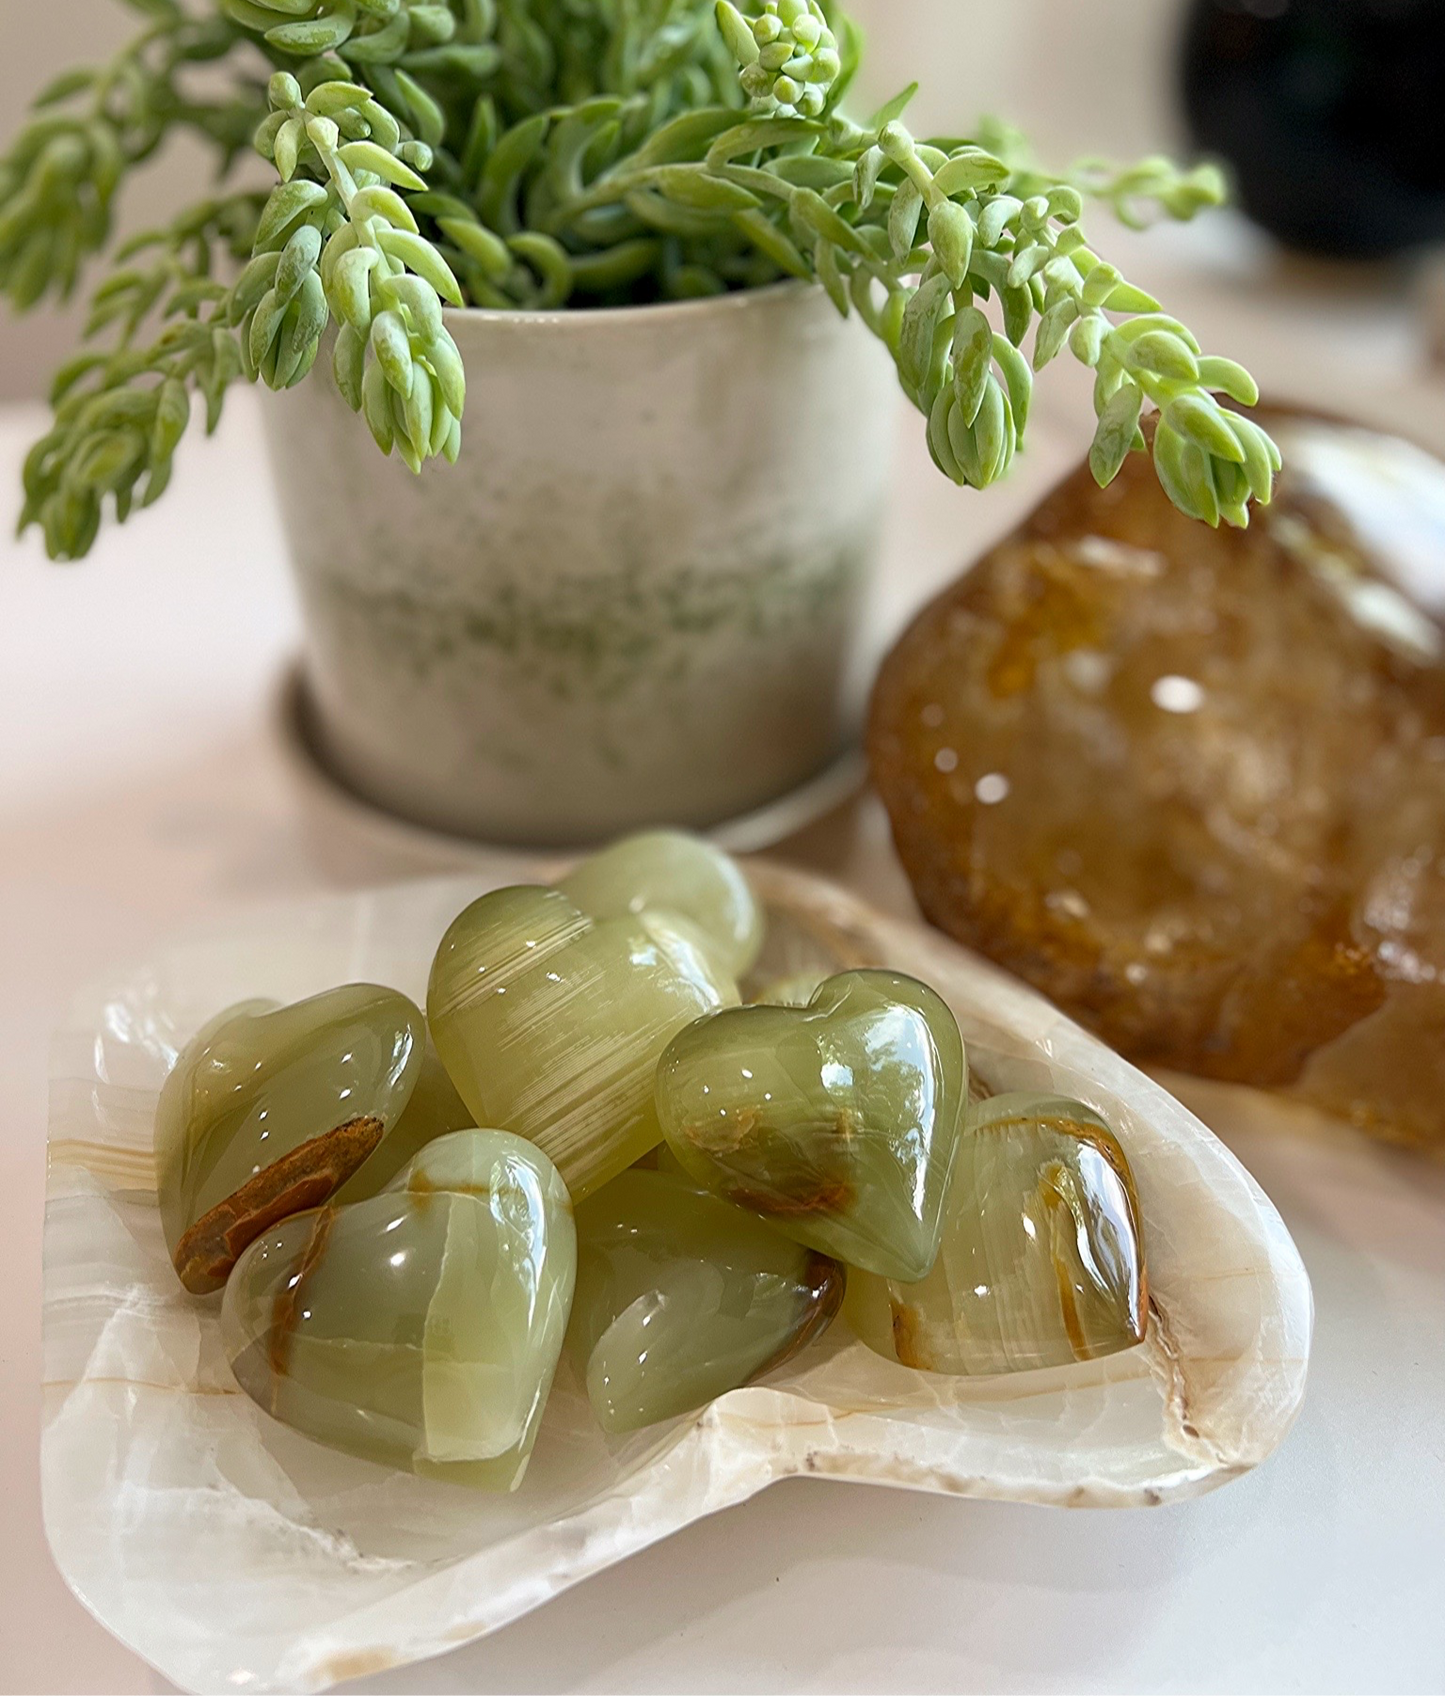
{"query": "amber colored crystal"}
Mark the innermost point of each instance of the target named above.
(1191, 783)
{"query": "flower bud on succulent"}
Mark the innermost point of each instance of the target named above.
(788, 57)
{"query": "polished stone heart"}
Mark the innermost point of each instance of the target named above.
(420, 1328)
(675, 872)
(837, 1121)
(551, 1023)
(681, 1298)
(1042, 1262)
(269, 1109)
(434, 1109)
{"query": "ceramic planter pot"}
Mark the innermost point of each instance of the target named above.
(634, 599)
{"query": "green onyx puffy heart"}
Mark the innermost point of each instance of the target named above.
(269, 1109)
(1042, 1261)
(681, 1298)
(837, 1121)
(434, 1109)
(678, 873)
(551, 1023)
(420, 1328)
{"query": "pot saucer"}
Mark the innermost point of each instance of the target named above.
(331, 802)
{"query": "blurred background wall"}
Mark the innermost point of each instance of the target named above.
(1078, 75)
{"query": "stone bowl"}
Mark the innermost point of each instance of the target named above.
(232, 1552)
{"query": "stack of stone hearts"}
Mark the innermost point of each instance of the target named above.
(400, 1283)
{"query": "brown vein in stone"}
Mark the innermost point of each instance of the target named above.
(907, 1344)
(1051, 1192)
(1063, 1222)
(304, 1178)
(828, 1195)
(826, 1280)
(286, 1310)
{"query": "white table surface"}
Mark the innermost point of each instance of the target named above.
(144, 786)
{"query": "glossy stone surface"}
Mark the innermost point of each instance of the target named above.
(837, 1121)
(681, 1298)
(551, 1024)
(679, 873)
(1042, 1260)
(420, 1328)
(434, 1110)
(147, 1447)
(1192, 784)
(269, 1109)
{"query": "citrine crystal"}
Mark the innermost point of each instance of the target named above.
(551, 1023)
(837, 1121)
(269, 1109)
(1042, 1261)
(681, 874)
(1191, 784)
(420, 1328)
(681, 1297)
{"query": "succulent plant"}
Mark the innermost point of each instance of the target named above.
(788, 55)
(545, 153)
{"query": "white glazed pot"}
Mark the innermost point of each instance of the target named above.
(634, 599)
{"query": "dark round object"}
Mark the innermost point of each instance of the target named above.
(1332, 114)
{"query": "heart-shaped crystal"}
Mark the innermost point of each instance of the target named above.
(434, 1109)
(1041, 1264)
(681, 1297)
(837, 1121)
(677, 873)
(551, 1023)
(269, 1109)
(420, 1328)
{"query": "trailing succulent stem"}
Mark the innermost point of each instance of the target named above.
(59, 179)
(120, 412)
(337, 239)
(524, 154)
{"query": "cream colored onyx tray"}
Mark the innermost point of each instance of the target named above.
(233, 1553)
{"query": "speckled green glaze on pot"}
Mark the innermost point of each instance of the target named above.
(635, 598)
